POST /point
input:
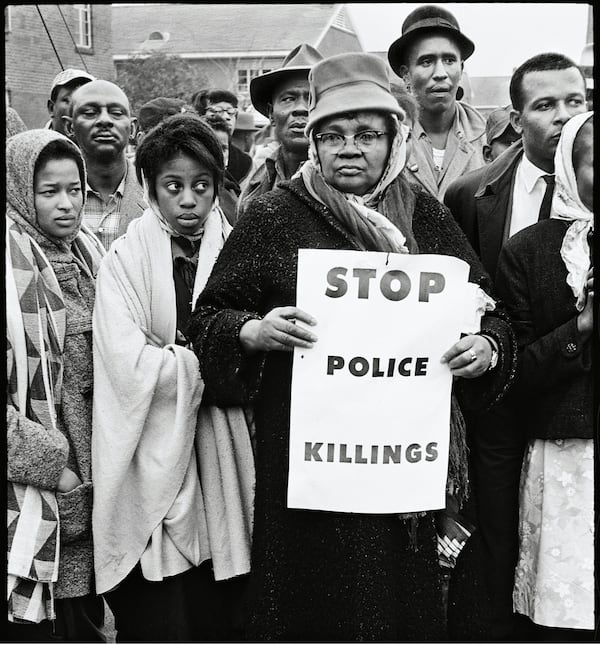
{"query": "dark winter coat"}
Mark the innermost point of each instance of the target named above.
(554, 377)
(320, 576)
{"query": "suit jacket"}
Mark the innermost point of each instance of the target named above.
(133, 203)
(464, 151)
(554, 373)
(480, 202)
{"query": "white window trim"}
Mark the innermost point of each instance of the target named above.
(83, 11)
(7, 19)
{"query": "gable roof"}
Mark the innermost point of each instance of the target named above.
(224, 28)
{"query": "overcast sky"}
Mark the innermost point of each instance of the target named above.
(505, 34)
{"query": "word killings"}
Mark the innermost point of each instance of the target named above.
(394, 284)
(373, 454)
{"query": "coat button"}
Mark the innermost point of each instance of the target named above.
(571, 347)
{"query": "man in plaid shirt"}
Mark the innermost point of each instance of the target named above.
(100, 123)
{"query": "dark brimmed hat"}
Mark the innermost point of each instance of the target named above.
(156, 110)
(429, 18)
(349, 82)
(498, 121)
(301, 59)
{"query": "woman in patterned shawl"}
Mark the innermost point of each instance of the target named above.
(51, 263)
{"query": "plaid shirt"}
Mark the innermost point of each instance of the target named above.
(103, 217)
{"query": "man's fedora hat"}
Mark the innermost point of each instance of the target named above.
(301, 59)
(429, 18)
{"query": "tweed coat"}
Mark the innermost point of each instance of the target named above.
(320, 576)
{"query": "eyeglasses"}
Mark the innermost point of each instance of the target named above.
(218, 111)
(364, 141)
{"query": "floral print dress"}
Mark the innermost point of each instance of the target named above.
(554, 578)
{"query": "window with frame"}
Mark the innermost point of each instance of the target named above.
(7, 20)
(245, 75)
(84, 25)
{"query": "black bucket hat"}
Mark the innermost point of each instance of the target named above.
(427, 19)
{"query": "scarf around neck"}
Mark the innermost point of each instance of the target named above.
(567, 205)
(379, 220)
(36, 327)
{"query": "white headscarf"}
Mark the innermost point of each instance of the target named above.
(567, 205)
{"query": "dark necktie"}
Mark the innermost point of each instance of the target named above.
(547, 199)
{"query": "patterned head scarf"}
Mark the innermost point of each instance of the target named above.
(22, 152)
(567, 205)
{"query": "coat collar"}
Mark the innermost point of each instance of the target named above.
(463, 150)
(498, 172)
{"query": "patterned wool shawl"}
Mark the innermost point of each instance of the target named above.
(36, 325)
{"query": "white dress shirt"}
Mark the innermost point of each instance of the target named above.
(528, 192)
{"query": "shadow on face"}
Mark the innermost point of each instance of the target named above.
(583, 163)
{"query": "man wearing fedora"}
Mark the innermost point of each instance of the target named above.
(245, 130)
(282, 96)
(448, 137)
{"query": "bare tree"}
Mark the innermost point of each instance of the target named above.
(159, 75)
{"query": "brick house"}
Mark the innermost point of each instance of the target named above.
(230, 43)
(81, 35)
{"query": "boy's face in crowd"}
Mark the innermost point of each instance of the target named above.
(550, 99)
(61, 105)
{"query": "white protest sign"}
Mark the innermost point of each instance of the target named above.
(370, 403)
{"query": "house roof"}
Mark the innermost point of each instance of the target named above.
(223, 28)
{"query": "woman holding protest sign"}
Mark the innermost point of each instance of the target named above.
(329, 575)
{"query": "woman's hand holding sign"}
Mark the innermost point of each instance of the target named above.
(470, 357)
(278, 330)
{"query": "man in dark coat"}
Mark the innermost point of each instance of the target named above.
(219, 103)
(492, 204)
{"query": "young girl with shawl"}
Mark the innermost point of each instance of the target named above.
(175, 479)
(51, 264)
(544, 275)
(326, 576)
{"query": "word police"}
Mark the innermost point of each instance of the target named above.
(394, 284)
(359, 454)
(360, 366)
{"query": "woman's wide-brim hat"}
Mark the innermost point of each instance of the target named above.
(300, 60)
(425, 20)
(350, 82)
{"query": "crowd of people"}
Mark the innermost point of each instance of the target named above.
(151, 277)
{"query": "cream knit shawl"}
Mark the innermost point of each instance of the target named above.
(172, 486)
